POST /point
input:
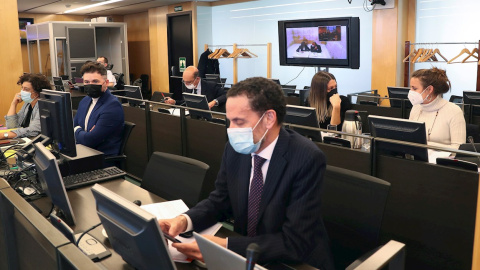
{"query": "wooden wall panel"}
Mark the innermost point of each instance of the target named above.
(157, 20)
(159, 46)
(10, 53)
(391, 28)
(138, 44)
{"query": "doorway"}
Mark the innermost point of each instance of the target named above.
(180, 45)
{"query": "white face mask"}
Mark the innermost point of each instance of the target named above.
(416, 98)
(190, 86)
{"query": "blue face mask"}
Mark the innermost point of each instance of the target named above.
(26, 96)
(241, 139)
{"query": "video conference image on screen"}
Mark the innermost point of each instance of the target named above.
(322, 42)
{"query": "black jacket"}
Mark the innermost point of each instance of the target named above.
(207, 66)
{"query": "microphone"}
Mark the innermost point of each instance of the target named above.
(470, 140)
(253, 251)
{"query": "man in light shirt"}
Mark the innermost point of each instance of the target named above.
(111, 79)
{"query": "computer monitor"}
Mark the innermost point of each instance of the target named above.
(277, 81)
(304, 116)
(213, 77)
(134, 92)
(58, 83)
(57, 121)
(197, 102)
(472, 98)
(133, 232)
(52, 182)
(401, 130)
(397, 93)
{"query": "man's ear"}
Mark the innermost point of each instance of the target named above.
(271, 116)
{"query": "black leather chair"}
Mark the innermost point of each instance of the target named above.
(175, 177)
(352, 205)
(119, 160)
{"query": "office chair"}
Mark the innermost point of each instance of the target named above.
(352, 205)
(119, 160)
(175, 177)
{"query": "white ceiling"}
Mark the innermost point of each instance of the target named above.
(118, 8)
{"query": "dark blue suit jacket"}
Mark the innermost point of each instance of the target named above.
(107, 117)
(290, 225)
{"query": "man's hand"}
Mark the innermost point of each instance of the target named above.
(169, 101)
(16, 99)
(174, 226)
(211, 104)
(193, 251)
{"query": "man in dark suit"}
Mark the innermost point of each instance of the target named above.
(99, 119)
(195, 85)
(270, 182)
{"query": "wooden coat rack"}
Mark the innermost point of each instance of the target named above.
(408, 53)
(245, 53)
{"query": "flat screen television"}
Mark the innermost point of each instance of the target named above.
(337, 40)
(22, 25)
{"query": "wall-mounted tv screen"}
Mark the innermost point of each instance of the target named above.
(330, 42)
(22, 25)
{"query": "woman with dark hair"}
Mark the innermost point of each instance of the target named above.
(444, 121)
(27, 120)
(329, 105)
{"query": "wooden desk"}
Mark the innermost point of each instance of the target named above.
(84, 209)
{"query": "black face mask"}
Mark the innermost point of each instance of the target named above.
(93, 90)
(331, 93)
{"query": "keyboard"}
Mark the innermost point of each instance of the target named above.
(87, 178)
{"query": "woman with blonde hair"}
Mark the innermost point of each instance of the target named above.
(329, 105)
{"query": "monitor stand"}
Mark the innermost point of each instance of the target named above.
(87, 159)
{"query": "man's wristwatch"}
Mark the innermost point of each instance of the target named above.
(5, 135)
(216, 102)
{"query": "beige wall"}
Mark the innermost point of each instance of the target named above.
(138, 44)
(10, 53)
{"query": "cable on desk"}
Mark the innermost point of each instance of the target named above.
(85, 232)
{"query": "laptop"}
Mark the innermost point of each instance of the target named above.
(219, 258)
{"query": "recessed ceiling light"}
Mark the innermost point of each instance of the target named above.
(92, 6)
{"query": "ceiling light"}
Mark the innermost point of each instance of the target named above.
(92, 6)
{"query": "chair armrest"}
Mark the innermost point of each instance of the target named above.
(391, 254)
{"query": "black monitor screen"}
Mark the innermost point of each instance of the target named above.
(134, 92)
(57, 81)
(401, 130)
(52, 182)
(133, 232)
(303, 116)
(57, 121)
(472, 98)
(213, 78)
(397, 93)
(197, 102)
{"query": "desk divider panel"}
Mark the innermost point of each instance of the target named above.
(347, 158)
(136, 148)
(206, 142)
(31, 240)
(432, 209)
(379, 110)
(166, 133)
